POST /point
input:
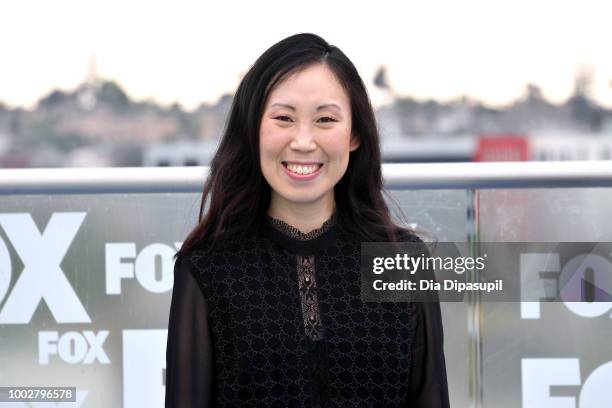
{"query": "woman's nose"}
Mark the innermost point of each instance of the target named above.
(303, 139)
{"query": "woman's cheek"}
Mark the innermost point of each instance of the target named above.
(337, 143)
(273, 137)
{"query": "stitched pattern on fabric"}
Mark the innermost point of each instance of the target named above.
(364, 359)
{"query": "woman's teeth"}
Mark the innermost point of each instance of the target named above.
(302, 169)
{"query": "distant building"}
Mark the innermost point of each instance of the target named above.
(180, 153)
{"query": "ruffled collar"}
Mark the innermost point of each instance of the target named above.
(294, 240)
(293, 232)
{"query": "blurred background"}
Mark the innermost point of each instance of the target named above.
(109, 83)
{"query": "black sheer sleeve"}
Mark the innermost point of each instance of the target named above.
(189, 363)
(428, 381)
(428, 386)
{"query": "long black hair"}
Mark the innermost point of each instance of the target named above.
(240, 195)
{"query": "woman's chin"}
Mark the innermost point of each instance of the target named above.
(302, 196)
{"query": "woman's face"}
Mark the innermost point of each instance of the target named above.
(305, 137)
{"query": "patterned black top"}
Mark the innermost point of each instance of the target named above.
(275, 320)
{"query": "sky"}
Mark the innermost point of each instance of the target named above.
(194, 51)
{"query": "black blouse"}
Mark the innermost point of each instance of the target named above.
(276, 320)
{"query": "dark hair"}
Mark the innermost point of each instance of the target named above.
(240, 195)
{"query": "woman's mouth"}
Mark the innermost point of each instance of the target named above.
(302, 171)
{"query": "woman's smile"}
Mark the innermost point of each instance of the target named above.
(302, 170)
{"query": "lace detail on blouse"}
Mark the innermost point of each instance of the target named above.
(308, 296)
(307, 283)
(293, 232)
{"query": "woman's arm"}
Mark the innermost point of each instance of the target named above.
(189, 362)
(428, 382)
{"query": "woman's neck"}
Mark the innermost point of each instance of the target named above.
(303, 216)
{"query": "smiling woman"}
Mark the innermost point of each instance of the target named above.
(305, 140)
(266, 307)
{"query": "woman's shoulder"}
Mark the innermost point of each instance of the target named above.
(411, 237)
(199, 262)
(224, 245)
(220, 253)
(406, 234)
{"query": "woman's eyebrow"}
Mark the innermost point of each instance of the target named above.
(320, 107)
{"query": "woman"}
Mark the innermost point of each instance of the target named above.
(266, 307)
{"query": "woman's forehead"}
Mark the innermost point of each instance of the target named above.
(315, 85)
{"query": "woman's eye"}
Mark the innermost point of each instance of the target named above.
(325, 119)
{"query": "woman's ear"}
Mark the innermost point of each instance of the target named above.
(354, 142)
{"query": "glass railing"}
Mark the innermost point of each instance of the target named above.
(86, 273)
